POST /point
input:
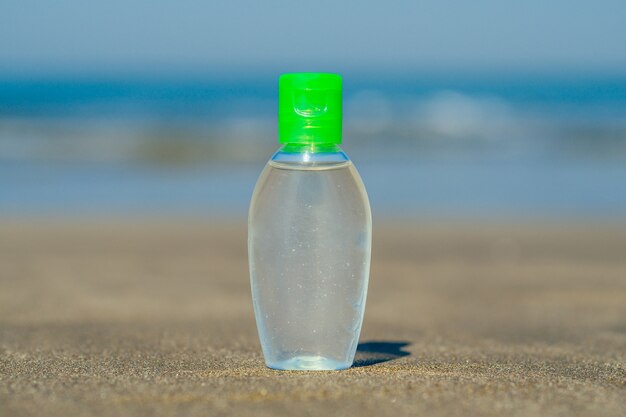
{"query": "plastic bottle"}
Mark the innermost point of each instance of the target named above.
(309, 234)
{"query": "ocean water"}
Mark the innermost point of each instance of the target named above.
(424, 145)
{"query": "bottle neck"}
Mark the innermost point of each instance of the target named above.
(310, 148)
(310, 154)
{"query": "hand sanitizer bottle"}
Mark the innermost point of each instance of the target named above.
(309, 234)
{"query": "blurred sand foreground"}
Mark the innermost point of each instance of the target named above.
(120, 319)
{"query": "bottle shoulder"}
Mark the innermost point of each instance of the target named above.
(309, 159)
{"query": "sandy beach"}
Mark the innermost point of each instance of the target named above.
(154, 318)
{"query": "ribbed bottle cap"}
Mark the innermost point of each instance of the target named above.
(309, 108)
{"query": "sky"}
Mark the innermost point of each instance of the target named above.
(114, 36)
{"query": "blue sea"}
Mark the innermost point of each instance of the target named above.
(425, 145)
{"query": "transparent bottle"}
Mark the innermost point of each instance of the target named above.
(309, 235)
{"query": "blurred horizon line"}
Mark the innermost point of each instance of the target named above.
(243, 72)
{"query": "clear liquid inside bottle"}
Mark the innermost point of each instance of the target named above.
(309, 249)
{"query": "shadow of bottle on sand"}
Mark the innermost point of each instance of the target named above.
(373, 352)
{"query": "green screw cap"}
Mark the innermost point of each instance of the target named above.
(309, 109)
